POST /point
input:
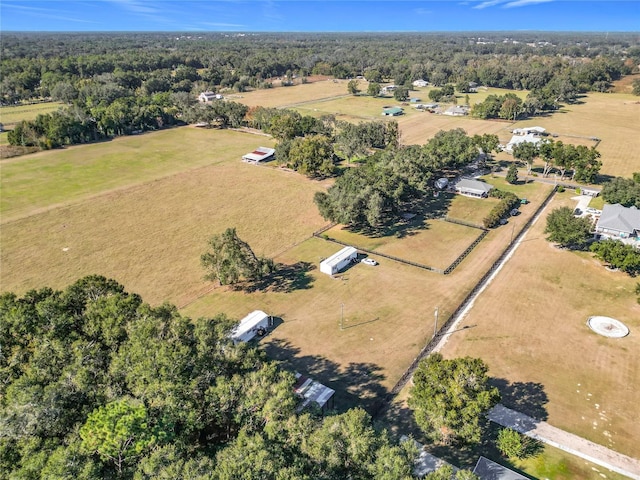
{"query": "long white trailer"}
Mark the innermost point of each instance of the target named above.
(256, 323)
(338, 261)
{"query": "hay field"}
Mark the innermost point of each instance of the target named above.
(419, 128)
(43, 179)
(290, 96)
(150, 236)
(369, 108)
(612, 117)
(530, 326)
(12, 115)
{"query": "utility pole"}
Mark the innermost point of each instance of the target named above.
(435, 325)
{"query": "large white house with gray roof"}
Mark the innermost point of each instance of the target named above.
(473, 188)
(617, 221)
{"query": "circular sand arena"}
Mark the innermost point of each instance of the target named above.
(608, 327)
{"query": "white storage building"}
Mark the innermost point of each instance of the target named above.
(256, 323)
(260, 154)
(338, 261)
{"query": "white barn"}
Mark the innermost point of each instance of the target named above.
(518, 139)
(338, 261)
(256, 323)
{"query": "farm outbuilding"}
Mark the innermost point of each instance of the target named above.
(617, 221)
(313, 392)
(392, 112)
(256, 323)
(487, 469)
(260, 154)
(338, 261)
(473, 188)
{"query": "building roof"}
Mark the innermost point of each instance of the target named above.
(392, 111)
(248, 323)
(311, 391)
(456, 110)
(259, 154)
(338, 257)
(619, 218)
(517, 139)
(469, 184)
(524, 130)
(488, 470)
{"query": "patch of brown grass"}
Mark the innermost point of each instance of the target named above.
(530, 326)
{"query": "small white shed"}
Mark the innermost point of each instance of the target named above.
(256, 323)
(338, 261)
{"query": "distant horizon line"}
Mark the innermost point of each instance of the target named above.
(603, 32)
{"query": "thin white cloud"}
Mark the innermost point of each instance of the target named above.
(422, 11)
(488, 3)
(46, 13)
(523, 3)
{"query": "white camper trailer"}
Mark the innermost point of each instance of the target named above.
(338, 261)
(256, 323)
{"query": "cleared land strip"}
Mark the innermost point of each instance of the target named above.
(566, 441)
(315, 100)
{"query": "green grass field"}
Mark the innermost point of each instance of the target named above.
(54, 177)
(12, 115)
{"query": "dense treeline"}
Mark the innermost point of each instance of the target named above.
(625, 191)
(97, 384)
(115, 84)
(34, 64)
(390, 180)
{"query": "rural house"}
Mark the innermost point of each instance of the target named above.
(420, 83)
(526, 134)
(617, 221)
(206, 97)
(456, 111)
(388, 89)
(486, 469)
(473, 188)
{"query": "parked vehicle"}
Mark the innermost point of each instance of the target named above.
(369, 261)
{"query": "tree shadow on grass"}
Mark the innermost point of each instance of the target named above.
(524, 397)
(286, 279)
(356, 384)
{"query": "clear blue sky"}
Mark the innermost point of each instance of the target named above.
(319, 15)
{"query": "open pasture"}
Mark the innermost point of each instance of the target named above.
(14, 114)
(150, 236)
(611, 117)
(293, 95)
(53, 177)
(388, 318)
(530, 326)
(365, 107)
(419, 128)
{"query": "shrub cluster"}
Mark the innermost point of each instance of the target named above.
(509, 202)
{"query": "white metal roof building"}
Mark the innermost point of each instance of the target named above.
(260, 154)
(473, 188)
(256, 323)
(311, 391)
(518, 139)
(529, 130)
(338, 260)
(489, 470)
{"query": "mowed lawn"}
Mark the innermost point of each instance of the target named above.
(529, 325)
(150, 236)
(43, 179)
